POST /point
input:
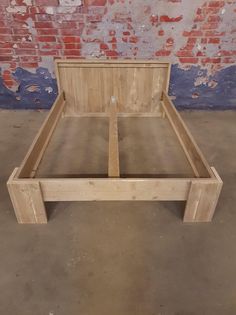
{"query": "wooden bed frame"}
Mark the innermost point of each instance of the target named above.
(113, 88)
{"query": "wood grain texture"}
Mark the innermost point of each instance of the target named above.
(113, 154)
(33, 157)
(191, 149)
(88, 85)
(95, 189)
(27, 200)
(202, 199)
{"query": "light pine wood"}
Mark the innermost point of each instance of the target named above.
(95, 189)
(191, 149)
(33, 157)
(27, 200)
(202, 199)
(137, 85)
(113, 154)
(140, 89)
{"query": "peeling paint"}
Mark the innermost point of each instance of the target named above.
(16, 9)
(219, 94)
(70, 2)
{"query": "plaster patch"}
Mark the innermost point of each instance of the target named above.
(200, 81)
(33, 88)
(31, 26)
(16, 9)
(49, 10)
(27, 2)
(66, 9)
(70, 2)
(49, 89)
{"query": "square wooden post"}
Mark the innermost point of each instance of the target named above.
(27, 200)
(202, 199)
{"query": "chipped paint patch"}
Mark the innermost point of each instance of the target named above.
(49, 10)
(35, 90)
(70, 2)
(16, 9)
(218, 92)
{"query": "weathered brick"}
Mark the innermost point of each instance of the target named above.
(166, 18)
(46, 2)
(188, 60)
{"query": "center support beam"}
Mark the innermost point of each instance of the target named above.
(113, 154)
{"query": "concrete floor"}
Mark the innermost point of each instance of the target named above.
(120, 257)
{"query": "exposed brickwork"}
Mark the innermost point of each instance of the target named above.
(33, 32)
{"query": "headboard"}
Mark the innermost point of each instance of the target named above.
(89, 85)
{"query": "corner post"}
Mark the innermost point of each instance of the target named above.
(27, 200)
(202, 199)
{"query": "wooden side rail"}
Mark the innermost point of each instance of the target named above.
(113, 154)
(33, 157)
(191, 149)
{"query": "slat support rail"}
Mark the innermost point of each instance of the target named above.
(34, 156)
(113, 154)
(193, 153)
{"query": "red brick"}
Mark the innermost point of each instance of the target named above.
(46, 2)
(6, 45)
(5, 58)
(166, 18)
(227, 52)
(33, 65)
(199, 18)
(104, 46)
(44, 17)
(154, 19)
(210, 60)
(50, 31)
(200, 54)
(71, 32)
(51, 46)
(5, 30)
(94, 18)
(67, 24)
(30, 58)
(133, 39)
(48, 52)
(72, 52)
(27, 45)
(26, 52)
(5, 51)
(21, 31)
(95, 2)
(209, 26)
(46, 38)
(192, 33)
(214, 33)
(71, 39)
(111, 53)
(216, 4)
(162, 52)
(188, 60)
(184, 53)
(214, 18)
(43, 24)
(213, 40)
(229, 60)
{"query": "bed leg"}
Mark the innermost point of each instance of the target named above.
(202, 201)
(27, 200)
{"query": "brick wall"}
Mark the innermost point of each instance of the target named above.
(198, 37)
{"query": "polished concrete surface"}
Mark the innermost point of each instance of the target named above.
(98, 258)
